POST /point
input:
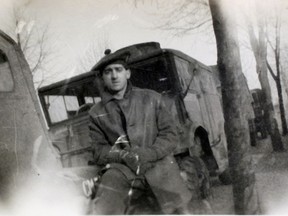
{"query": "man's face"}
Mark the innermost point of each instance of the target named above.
(115, 77)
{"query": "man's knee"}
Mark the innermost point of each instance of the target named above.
(114, 178)
(112, 193)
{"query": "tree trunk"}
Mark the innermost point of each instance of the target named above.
(281, 106)
(234, 100)
(259, 48)
(278, 79)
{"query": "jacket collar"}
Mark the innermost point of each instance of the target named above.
(107, 96)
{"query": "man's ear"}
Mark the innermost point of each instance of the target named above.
(128, 73)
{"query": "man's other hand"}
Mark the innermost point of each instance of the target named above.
(145, 154)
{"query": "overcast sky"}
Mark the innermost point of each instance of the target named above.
(74, 25)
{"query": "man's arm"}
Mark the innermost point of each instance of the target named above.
(167, 137)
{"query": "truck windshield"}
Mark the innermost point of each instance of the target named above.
(153, 73)
(68, 101)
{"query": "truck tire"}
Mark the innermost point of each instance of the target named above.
(202, 142)
(196, 176)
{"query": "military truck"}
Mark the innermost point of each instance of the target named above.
(191, 93)
(188, 86)
(24, 144)
(258, 106)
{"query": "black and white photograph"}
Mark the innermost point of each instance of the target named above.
(143, 107)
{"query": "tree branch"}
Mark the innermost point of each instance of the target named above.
(271, 70)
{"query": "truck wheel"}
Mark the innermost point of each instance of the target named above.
(196, 176)
(205, 153)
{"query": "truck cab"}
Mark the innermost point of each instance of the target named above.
(188, 87)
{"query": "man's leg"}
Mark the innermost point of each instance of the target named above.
(112, 194)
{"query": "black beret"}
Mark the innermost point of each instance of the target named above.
(116, 57)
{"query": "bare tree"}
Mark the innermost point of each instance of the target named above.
(186, 16)
(284, 69)
(236, 125)
(259, 48)
(181, 17)
(94, 52)
(193, 16)
(33, 39)
(277, 71)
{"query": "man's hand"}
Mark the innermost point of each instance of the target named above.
(131, 160)
(145, 167)
(114, 155)
(139, 160)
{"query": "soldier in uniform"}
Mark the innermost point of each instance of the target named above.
(133, 134)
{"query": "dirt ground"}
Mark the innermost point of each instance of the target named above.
(271, 172)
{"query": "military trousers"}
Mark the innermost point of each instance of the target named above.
(112, 196)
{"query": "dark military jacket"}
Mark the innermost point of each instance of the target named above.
(144, 118)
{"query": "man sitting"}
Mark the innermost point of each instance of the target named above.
(133, 134)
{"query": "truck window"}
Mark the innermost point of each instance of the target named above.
(152, 74)
(69, 100)
(61, 107)
(6, 79)
(92, 99)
